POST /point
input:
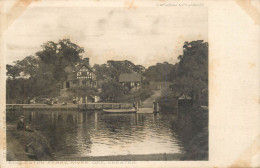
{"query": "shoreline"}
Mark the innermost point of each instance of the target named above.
(69, 106)
(129, 157)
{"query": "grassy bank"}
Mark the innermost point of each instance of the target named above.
(27, 146)
(140, 94)
(200, 141)
(192, 126)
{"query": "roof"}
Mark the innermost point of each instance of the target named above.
(184, 96)
(133, 77)
(83, 65)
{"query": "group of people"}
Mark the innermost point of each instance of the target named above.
(51, 101)
(77, 100)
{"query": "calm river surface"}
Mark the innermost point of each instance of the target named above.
(93, 133)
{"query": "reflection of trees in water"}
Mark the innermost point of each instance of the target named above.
(74, 132)
(117, 125)
(60, 117)
(129, 126)
(187, 126)
(70, 118)
(83, 138)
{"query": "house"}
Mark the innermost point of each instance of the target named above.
(133, 79)
(80, 75)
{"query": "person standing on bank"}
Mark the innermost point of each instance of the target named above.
(134, 105)
(154, 105)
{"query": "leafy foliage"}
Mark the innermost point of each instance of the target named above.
(111, 90)
(60, 55)
(102, 72)
(159, 72)
(41, 74)
(113, 69)
(13, 71)
(192, 71)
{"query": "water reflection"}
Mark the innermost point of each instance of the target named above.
(79, 134)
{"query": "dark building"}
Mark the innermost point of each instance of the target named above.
(133, 79)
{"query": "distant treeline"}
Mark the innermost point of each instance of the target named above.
(40, 75)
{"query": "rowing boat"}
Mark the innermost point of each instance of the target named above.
(119, 110)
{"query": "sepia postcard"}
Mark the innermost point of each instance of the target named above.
(161, 83)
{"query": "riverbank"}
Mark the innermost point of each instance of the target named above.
(40, 150)
(27, 146)
(193, 123)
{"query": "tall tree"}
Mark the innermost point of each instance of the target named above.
(192, 71)
(60, 55)
(159, 72)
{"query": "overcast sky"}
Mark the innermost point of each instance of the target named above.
(144, 35)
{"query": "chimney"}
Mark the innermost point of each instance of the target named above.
(86, 61)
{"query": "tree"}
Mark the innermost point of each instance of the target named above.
(60, 55)
(113, 69)
(102, 72)
(28, 66)
(159, 72)
(13, 71)
(41, 74)
(192, 72)
(112, 90)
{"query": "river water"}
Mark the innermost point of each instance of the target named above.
(94, 133)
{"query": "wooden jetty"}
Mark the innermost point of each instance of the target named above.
(88, 106)
(145, 110)
(101, 106)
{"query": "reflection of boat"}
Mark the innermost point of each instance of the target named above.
(119, 110)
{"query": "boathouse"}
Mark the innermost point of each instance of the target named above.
(184, 100)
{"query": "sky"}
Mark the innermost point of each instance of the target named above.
(145, 35)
